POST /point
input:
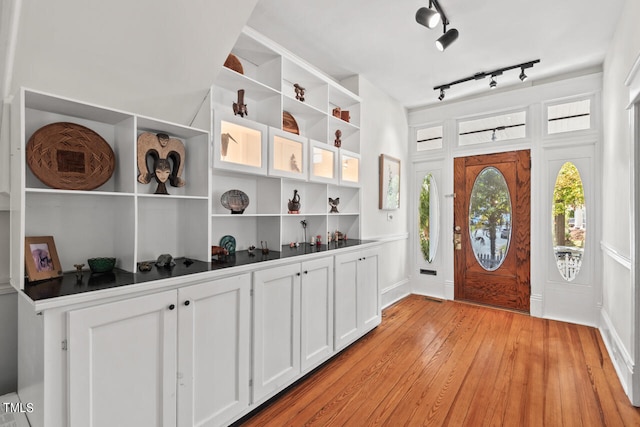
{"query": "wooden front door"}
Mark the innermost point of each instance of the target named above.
(492, 223)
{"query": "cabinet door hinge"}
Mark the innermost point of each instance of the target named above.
(64, 345)
(250, 383)
(251, 293)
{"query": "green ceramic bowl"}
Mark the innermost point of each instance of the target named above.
(101, 265)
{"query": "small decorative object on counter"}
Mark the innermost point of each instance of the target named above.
(304, 229)
(299, 92)
(338, 142)
(101, 264)
(160, 147)
(240, 108)
(235, 200)
(312, 242)
(292, 244)
(338, 235)
(336, 112)
(251, 249)
(265, 249)
(224, 143)
(334, 204)
(294, 203)
(145, 266)
(344, 115)
(328, 237)
(219, 253)
(318, 239)
(229, 243)
(166, 261)
(78, 272)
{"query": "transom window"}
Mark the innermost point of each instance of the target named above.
(429, 138)
(569, 117)
(495, 128)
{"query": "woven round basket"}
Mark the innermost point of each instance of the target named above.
(69, 156)
(234, 63)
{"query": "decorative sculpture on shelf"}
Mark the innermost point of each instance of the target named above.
(334, 204)
(162, 149)
(299, 92)
(240, 108)
(224, 143)
(338, 142)
(293, 163)
(294, 204)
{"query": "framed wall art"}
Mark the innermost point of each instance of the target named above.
(41, 258)
(389, 182)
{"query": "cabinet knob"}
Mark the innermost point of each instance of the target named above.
(172, 306)
(187, 302)
(297, 274)
(364, 257)
(306, 272)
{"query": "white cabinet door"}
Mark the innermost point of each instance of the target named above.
(122, 363)
(357, 298)
(276, 329)
(213, 351)
(369, 299)
(346, 298)
(317, 312)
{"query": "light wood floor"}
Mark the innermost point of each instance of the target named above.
(450, 363)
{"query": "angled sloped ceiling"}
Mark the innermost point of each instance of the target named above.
(153, 57)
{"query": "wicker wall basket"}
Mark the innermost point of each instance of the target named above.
(69, 156)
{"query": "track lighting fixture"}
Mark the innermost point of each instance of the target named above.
(430, 17)
(481, 75)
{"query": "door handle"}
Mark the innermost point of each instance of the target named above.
(457, 238)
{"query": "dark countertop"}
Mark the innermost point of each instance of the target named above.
(68, 284)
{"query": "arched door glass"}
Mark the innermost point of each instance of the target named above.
(569, 221)
(428, 213)
(490, 218)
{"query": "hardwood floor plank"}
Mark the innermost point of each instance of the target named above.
(455, 364)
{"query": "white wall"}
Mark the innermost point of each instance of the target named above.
(155, 58)
(384, 130)
(618, 287)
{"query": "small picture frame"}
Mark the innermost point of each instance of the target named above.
(41, 258)
(389, 182)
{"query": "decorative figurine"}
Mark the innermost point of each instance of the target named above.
(312, 242)
(334, 204)
(240, 108)
(344, 115)
(294, 204)
(144, 266)
(299, 92)
(251, 249)
(293, 164)
(78, 272)
(304, 229)
(328, 237)
(219, 252)
(224, 143)
(336, 112)
(265, 249)
(337, 142)
(166, 261)
(318, 239)
(160, 147)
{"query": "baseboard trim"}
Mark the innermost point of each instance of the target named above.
(394, 293)
(620, 357)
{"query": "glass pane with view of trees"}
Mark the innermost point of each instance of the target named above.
(490, 218)
(569, 221)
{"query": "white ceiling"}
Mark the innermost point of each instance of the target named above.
(380, 40)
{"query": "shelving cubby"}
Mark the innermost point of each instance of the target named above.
(288, 155)
(239, 144)
(121, 218)
(316, 89)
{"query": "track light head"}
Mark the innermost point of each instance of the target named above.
(427, 17)
(522, 76)
(493, 83)
(441, 97)
(446, 39)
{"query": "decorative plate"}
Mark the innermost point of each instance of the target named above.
(235, 200)
(229, 243)
(289, 123)
(69, 156)
(232, 62)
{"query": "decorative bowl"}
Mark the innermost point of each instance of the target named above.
(101, 264)
(235, 200)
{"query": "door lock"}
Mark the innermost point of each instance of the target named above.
(457, 238)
